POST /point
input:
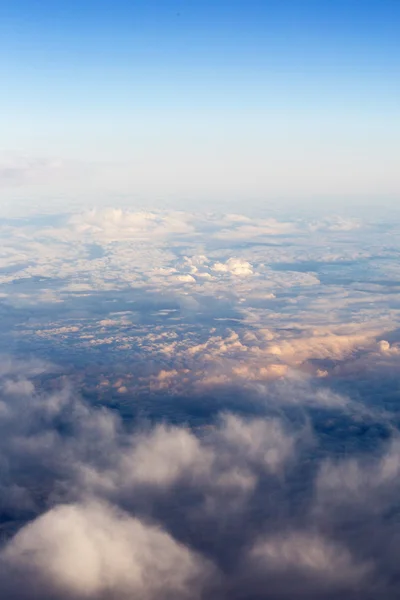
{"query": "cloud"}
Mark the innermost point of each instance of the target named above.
(110, 225)
(321, 345)
(263, 442)
(224, 420)
(337, 224)
(320, 565)
(95, 551)
(234, 266)
(227, 458)
(260, 227)
(360, 482)
(241, 505)
(166, 455)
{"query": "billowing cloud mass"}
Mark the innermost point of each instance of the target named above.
(199, 406)
(91, 550)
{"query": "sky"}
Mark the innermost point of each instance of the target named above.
(199, 101)
(199, 314)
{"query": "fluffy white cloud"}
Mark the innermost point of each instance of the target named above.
(164, 456)
(95, 551)
(234, 266)
(263, 442)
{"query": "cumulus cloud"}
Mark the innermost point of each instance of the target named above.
(166, 455)
(320, 346)
(95, 551)
(357, 481)
(261, 442)
(241, 506)
(165, 511)
(72, 477)
(323, 567)
(234, 266)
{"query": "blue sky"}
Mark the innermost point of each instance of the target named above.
(199, 99)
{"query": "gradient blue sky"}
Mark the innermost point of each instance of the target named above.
(200, 99)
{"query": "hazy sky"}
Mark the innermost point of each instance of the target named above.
(200, 99)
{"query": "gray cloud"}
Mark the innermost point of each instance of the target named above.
(93, 509)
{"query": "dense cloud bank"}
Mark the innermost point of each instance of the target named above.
(212, 410)
(249, 506)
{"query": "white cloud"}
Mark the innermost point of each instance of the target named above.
(95, 551)
(263, 442)
(112, 224)
(234, 266)
(164, 456)
(257, 228)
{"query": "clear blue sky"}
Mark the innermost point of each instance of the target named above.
(200, 98)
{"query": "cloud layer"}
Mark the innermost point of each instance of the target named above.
(198, 406)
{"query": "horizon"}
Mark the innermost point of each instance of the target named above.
(199, 300)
